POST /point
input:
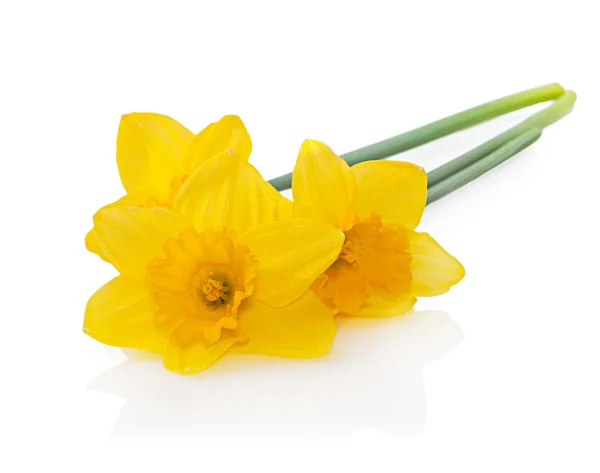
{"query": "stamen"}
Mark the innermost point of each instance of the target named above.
(346, 253)
(215, 290)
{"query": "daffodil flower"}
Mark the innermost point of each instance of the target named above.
(384, 264)
(216, 272)
(156, 155)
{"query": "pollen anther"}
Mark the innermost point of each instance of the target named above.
(346, 253)
(214, 290)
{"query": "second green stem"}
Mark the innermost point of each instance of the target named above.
(443, 127)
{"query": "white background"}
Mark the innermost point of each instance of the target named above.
(501, 374)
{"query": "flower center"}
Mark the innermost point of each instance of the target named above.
(374, 255)
(200, 283)
(215, 291)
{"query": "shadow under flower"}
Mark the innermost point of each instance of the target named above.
(372, 378)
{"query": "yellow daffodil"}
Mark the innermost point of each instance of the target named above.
(384, 265)
(156, 155)
(214, 273)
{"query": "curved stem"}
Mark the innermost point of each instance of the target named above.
(443, 127)
(468, 174)
(542, 119)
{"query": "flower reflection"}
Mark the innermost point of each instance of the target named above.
(372, 378)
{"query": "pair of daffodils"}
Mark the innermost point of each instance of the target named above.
(213, 259)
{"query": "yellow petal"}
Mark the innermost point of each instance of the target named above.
(302, 329)
(228, 322)
(381, 303)
(228, 133)
(121, 313)
(141, 198)
(291, 254)
(150, 150)
(187, 351)
(284, 207)
(225, 191)
(396, 191)
(131, 236)
(434, 270)
(323, 185)
(92, 245)
(274, 193)
(146, 198)
(212, 333)
(284, 210)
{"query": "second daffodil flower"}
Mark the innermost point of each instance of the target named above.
(156, 155)
(384, 265)
(217, 272)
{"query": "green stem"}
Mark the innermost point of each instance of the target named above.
(468, 174)
(561, 107)
(445, 126)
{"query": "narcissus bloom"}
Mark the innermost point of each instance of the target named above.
(156, 155)
(384, 265)
(214, 273)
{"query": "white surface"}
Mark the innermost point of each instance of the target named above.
(501, 374)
